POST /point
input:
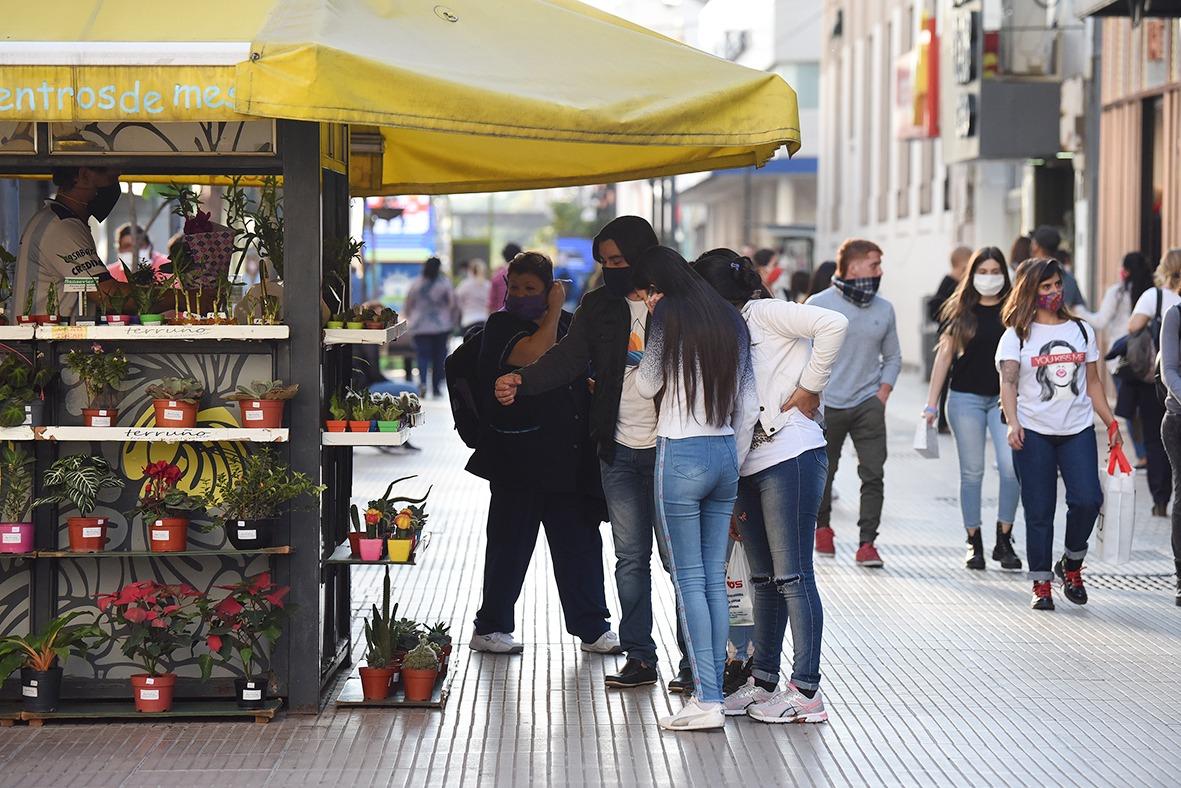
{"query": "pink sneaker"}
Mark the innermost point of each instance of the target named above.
(789, 705)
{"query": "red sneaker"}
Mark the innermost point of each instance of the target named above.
(824, 544)
(867, 555)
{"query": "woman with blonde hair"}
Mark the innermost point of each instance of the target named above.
(1050, 393)
(971, 330)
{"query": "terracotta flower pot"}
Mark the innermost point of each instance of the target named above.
(359, 426)
(262, 413)
(419, 685)
(249, 534)
(370, 549)
(153, 694)
(251, 693)
(336, 425)
(99, 417)
(16, 537)
(174, 413)
(374, 325)
(26, 320)
(41, 690)
(400, 549)
(355, 538)
(375, 682)
(87, 534)
(168, 535)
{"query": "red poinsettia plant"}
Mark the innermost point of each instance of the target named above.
(160, 497)
(245, 624)
(151, 621)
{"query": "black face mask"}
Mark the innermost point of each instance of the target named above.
(619, 281)
(104, 201)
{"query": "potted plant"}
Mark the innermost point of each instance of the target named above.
(151, 621)
(39, 658)
(100, 372)
(176, 401)
(409, 632)
(366, 542)
(244, 626)
(380, 644)
(408, 524)
(79, 479)
(336, 321)
(362, 412)
(27, 318)
(16, 499)
(411, 407)
(439, 636)
(161, 505)
(252, 496)
(338, 411)
(420, 671)
(23, 380)
(355, 319)
(262, 402)
(146, 284)
(389, 415)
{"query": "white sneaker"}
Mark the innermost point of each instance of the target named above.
(737, 702)
(789, 706)
(696, 716)
(495, 643)
(607, 644)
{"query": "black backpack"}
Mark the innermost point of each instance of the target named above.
(462, 368)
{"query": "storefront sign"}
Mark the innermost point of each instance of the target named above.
(916, 75)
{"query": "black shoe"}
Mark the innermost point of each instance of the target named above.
(1004, 551)
(975, 557)
(1043, 596)
(1072, 582)
(1160, 510)
(736, 675)
(634, 674)
(1179, 592)
(682, 684)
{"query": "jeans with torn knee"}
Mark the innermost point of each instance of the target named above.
(777, 517)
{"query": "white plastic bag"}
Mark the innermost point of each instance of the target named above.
(926, 440)
(742, 612)
(1117, 521)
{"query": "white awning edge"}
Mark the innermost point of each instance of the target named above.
(123, 53)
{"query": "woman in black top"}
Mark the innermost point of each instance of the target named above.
(971, 329)
(540, 462)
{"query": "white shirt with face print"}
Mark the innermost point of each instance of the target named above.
(1052, 388)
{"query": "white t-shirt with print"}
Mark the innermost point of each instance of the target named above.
(1146, 303)
(1052, 387)
(635, 426)
(55, 244)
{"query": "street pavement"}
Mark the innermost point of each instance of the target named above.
(933, 675)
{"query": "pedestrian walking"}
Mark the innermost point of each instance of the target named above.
(1170, 348)
(536, 455)
(471, 296)
(1044, 243)
(793, 347)
(697, 365)
(608, 335)
(966, 360)
(429, 308)
(1050, 389)
(862, 378)
(499, 279)
(801, 287)
(961, 256)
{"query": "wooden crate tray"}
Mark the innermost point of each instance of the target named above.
(352, 696)
(125, 710)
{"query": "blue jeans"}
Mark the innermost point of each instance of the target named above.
(627, 486)
(696, 486)
(777, 516)
(1038, 465)
(973, 419)
(431, 353)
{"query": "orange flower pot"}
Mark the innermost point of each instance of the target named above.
(87, 534)
(168, 535)
(419, 685)
(171, 413)
(153, 694)
(262, 413)
(99, 417)
(334, 425)
(375, 682)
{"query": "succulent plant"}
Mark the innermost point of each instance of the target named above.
(177, 389)
(263, 389)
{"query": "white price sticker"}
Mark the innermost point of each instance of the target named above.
(146, 694)
(254, 415)
(251, 694)
(173, 415)
(12, 539)
(247, 533)
(159, 536)
(29, 692)
(92, 533)
(100, 421)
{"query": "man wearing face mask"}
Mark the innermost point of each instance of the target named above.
(608, 334)
(855, 399)
(57, 242)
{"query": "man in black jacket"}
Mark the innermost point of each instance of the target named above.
(608, 333)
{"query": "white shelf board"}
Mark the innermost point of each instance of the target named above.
(16, 434)
(162, 434)
(16, 333)
(365, 438)
(112, 333)
(364, 336)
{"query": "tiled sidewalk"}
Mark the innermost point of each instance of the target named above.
(933, 675)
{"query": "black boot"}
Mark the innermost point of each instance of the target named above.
(975, 558)
(1004, 551)
(1179, 589)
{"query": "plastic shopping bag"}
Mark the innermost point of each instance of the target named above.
(742, 612)
(926, 440)
(1117, 521)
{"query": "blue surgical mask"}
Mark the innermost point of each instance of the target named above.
(530, 307)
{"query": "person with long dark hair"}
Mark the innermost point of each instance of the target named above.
(430, 315)
(1051, 392)
(971, 330)
(822, 277)
(793, 347)
(697, 368)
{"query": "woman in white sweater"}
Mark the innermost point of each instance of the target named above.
(697, 367)
(793, 347)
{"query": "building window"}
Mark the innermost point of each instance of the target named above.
(886, 120)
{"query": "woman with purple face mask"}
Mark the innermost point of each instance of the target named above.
(540, 462)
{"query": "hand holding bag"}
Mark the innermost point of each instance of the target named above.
(926, 440)
(738, 588)
(1117, 520)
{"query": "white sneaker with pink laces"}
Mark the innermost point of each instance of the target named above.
(789, 705)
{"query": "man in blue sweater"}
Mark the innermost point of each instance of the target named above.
(862, 378)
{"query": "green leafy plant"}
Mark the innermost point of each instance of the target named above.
(245, 624)
(54, 645)
(336, 407)
(16, 484)
(51, 299)
(151, 621)
(160, 497)
(439, 635)
(381, 638)
(146, 285)
(22, 381)
(408, 634)
(339, 253)
(421, 657)
(30, 298)
(409, 403)
(187, 390)
(365, 409)
(263, 389)
(257, 487)
(78, 479)
(99, 371)
(389, 409)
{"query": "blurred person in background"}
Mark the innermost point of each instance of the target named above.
(822, 277)
(1046, 242)
(1019, 252)
(430, 314)
(472, 295)
(801, 287)
(960, 257)
(500, 278)
(135, 247)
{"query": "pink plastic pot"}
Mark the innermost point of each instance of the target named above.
(16, 537)
(370, 549)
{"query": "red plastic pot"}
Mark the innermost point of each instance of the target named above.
(334, 425)
(153, 694)
(26, 320)
(374, 325)
(360, 426)
(375, 682)
(87, 534)
(419, 685)
(262, 413)
(16, 537)
(355, 542)
(118, 320)
(173, 413)
(99, 417)
(168, 535)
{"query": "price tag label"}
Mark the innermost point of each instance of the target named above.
(79, 284)
(13, 538)
(152, 694)
(92, 533)
(28, 691)
(159, 536)
(100, 421)
(247, 533)
(173, 415)
(254, 415)
(251, 694)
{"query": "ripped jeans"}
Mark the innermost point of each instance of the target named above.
(777, 517)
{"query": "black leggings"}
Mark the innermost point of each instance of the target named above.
(1171, 436)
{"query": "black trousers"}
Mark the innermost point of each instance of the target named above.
(1171, 432)
(572, 531)
(1141, 398)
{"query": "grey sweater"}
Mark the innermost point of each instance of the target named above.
(1170, 350)
(871, 354)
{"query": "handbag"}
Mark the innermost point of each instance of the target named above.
(1117, 520)
(926, 440)
(742, 613)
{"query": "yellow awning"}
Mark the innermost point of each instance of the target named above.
(473, 95)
